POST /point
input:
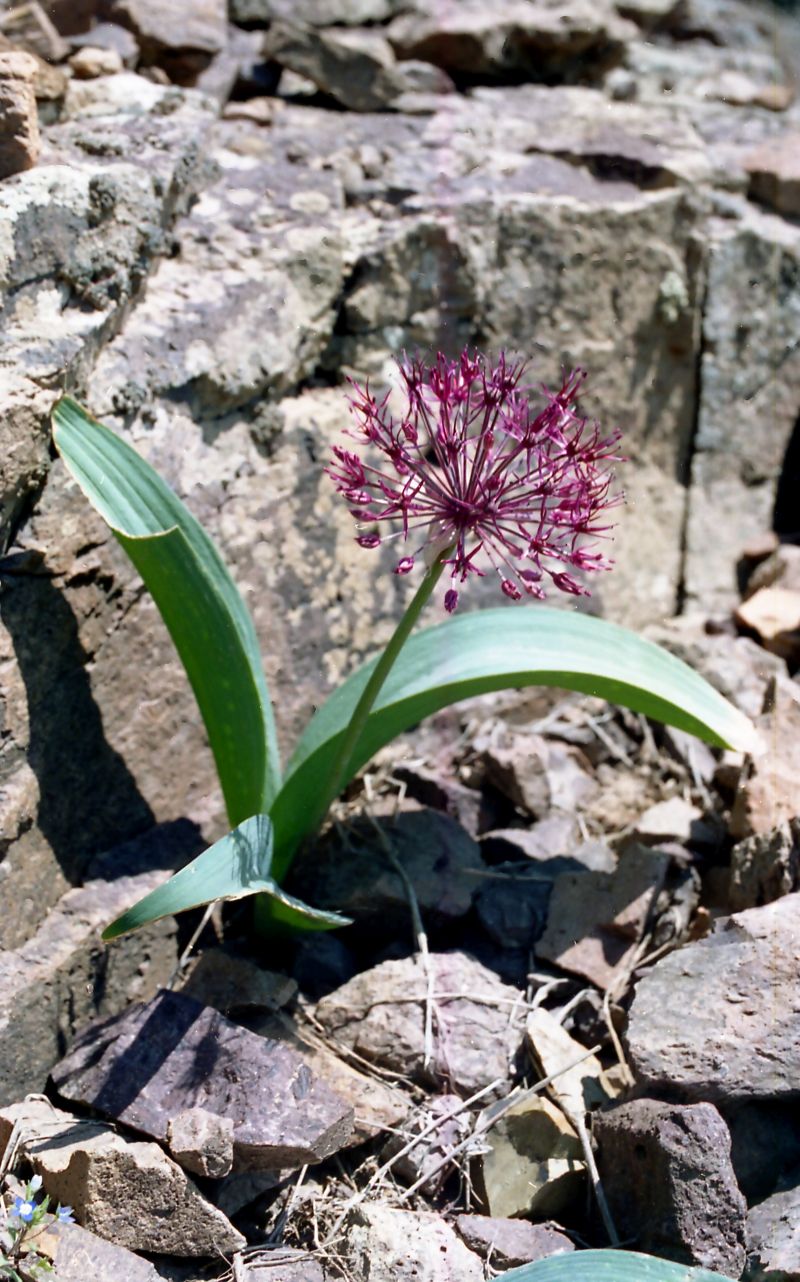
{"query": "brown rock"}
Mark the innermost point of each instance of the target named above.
(666, 1170)
(19, 122)
(130, 1193)
(774, 169)
(767, 794)
(381, 1015)
(774, 614)
(670, 820)
(172, 1054)
(31, 29)
(765, 866)
(780, 568)
(201, 1142)
(720, 1019)
(508, 1243)
(596, 919)
(535, 773)
(230, 983)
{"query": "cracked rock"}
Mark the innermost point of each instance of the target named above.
(130, 1193)
(508, 1243)
(142, 1067)
(773, 1233)
(667, 1173)
(719, 1019)
(19, 131)
(386, 1245)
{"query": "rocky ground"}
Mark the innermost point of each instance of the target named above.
(208, 218)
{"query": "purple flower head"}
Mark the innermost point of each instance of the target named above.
(470, 467)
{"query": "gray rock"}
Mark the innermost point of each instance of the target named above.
(427, 1156)
(130, 1193)
(720, 1019)
(773, 1233)
(509, 1243)
(313, 13)
(201, 1142)
(199, 25)
(511, 903)
(381, 1015)
(557, 835)
(765, 866)
(19, 139)
(63, 977)
(675, 819)
(283, 1266)
(534, 772)
(595, 919)
(667, 1173)
(30, 28)
(746, 420)
(110, 35)
(386, 1245)
(172, 1054)
(355, 878)
(767, 794)
(527, 40)
(765, 1145)
(78, 1255)
(356, 67)
(229, 983)
(90, 63)
(735, 666)
(441, 792)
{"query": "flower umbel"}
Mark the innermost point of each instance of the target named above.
(470, 467)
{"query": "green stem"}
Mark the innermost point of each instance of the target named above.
(382, 668)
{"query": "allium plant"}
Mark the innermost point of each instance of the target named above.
(480, 474)
(470, 468)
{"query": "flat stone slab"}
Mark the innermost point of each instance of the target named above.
(144, 1067)
(719, 1020)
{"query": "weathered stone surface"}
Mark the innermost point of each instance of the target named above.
(381, 1015)
(30, 28)
(110, 35)
(773, 1236)
(746, 415)
(378, 1106)
(63, 977)
(523, 40)
(319, 13)
(765, 866)
(130, 1193)
(595, 919)
(443, 863)
(534, 772)
(511, 903)
(579, 1082)
(201, 1142)
(666, 1170)
(426, 1157)
(720, 1019)
(229, 983)
(90, 62)
(386, 1245)
(774, 615)
(356, 67)
(767, 793)
(765, 1145)
(509, 1243)
(172, 1054)
(283, 1266)
(78, 1255)
(779, 568)
(735, 666)
(774, 170)
(672, 820)
(19, 132)
(199, 25)
(533, 1164)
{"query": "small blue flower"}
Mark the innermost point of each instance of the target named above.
(23, 1210)
(64, 1215)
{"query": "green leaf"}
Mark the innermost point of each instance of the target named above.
(608, 1266)
(235, 866)
(196, 596)
(495, 650)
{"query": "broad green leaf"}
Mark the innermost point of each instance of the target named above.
(235, 866)
(495, 650)
(608, 1266)
(196, 596)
